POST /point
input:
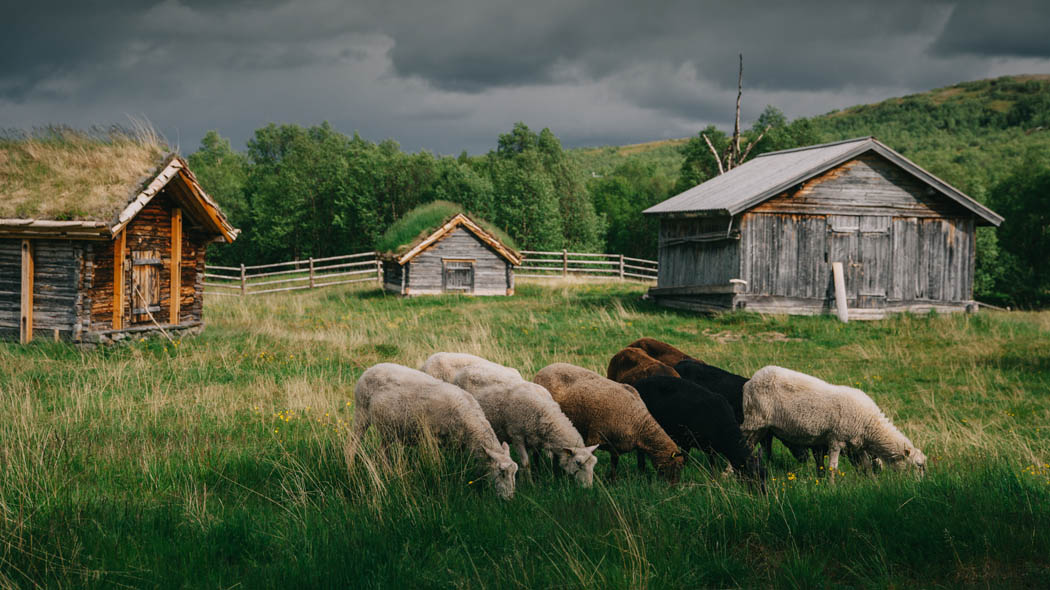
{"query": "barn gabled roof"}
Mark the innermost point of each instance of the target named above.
(772, 173)
(79, 187)
(460, 220)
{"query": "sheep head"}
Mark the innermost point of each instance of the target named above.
(502, 468)
(670, 466)
(579, 462)
(917, 458)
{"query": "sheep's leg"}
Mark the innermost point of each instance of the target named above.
(819, 453)
(523, 457)
(614, 460)
(641, 460)
(834, 449)
(767, 445)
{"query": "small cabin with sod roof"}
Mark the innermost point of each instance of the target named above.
(453, 254)
(101, 237)
(763, 236)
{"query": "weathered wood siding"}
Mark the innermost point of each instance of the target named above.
(392, 276)
(425, 271)
(691, 252)
(866, 185)
(56, 280)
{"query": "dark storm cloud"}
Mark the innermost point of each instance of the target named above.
(1019, 28)
(443, 75)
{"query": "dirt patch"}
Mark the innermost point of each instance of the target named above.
(730, 336)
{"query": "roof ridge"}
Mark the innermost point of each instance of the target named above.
(819, 145)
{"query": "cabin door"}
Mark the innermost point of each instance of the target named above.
(458, 276)
(862, 244)
(145, 285)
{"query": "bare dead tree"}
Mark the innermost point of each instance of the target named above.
(732, 157)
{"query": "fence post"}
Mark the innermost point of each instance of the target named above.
(244, 284)
(621, 267)
(311, 272)
(564, 262)
(379, 269)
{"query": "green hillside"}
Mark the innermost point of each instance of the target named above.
(971, 134)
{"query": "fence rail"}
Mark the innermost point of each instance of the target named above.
(314, 273)
(598, 266)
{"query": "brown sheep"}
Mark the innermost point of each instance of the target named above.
(661, 351)
(611, 415)
(632, 364)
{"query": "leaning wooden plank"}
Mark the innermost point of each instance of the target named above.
(118, 279)
(26, 319)
(840, 291)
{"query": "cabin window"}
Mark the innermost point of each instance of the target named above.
(145, 285)
(458, 276)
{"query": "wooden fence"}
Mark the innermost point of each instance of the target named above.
(564, 263)
(311, 273)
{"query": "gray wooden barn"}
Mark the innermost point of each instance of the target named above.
(458, 257)
(763, 235)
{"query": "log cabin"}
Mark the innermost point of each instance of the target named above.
(763, 236)
(101, 239)
(459, 255)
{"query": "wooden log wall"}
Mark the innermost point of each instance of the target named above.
(490, 269)
(55, 293)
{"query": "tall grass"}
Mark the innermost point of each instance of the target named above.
(227, 458)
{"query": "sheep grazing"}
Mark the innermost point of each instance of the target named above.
(612, 416)
(402, 402)
(524, 414)
(631, 364)
(695, 417)
(445, 365)
(661, 351)
(807, 411)
(731, 387)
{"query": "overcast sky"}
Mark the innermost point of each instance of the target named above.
(448, 76)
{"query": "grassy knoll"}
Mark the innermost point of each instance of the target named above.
(221, 461)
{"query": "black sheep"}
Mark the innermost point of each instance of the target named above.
(695, 417)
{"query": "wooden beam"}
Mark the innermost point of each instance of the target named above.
(118, 279)
(26, 319)
(176, 265)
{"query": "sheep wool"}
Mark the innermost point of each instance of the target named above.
(804, 410)
(611, 415)
(445, 365)
(525, 415)
(401, 402)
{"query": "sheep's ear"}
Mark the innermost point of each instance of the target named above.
(506, 447)
(591, 449)
(567, 451)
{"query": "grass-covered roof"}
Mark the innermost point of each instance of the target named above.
(69, 175)
(424, 220)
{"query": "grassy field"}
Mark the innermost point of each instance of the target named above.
(220, 460)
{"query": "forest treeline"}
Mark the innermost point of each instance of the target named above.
(298, 192)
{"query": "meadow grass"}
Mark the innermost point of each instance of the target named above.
(223, 460)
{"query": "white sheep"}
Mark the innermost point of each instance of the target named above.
(525, 415)
(445, 365)
(804, 410)
(401, 402)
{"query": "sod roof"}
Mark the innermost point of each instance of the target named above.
(421, 223)
(64, 180)
(69, 175)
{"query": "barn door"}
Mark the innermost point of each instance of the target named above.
(458, 276)
(843, 240)
(145, 285)
(875, 264)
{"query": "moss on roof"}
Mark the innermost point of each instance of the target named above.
(422, 221)
(64, 174)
